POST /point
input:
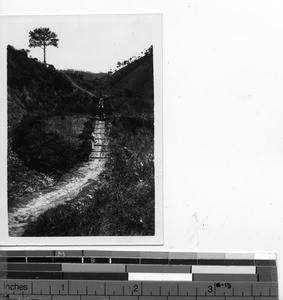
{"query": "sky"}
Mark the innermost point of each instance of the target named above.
(92, 43)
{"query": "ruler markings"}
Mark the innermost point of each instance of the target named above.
(143, 261)
(144, 254)
(265, 270)
(79, 260)
(96, 260)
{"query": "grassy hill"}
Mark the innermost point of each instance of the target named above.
(87, 80)
(36, 94)
(35, 89)
(123, 203)
(136, 79)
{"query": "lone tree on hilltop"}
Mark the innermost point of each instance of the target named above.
(42, 37)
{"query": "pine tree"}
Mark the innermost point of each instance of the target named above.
(43, 37)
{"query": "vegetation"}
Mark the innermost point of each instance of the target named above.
(36, 93)
(27, 72)
(43, 37)
(132, 59)
(88, 80)
(22, 181)
(41, 103)
(34, 89)
(135, 80)
(44, 148)
(122, 202)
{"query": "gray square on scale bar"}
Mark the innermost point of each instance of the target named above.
(183, 255)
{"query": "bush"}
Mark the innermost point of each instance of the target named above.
(41, 150)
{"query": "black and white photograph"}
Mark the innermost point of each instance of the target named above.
(145, 130)
(83, 151)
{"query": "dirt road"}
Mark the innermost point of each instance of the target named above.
(65, 190)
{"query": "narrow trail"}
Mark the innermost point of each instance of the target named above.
(67, 188)
(76, 86)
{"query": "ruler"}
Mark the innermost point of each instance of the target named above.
(133, 275)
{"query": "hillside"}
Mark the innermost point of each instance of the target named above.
(132, 80)
(136, 79)
(85, 75)
(34, 89)
(36, 95)
(123, 202)
(87, 80)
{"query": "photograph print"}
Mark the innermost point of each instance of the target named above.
(83, 126)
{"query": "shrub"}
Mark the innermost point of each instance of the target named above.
(41, 150)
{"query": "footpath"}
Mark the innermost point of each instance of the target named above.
(68, 187)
